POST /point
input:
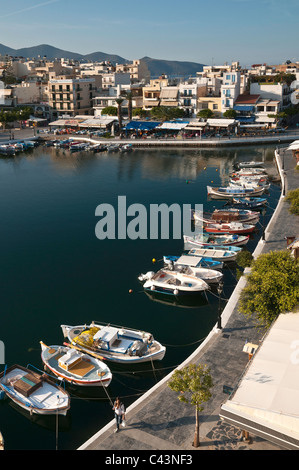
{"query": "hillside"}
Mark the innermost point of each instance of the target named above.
(156, 67)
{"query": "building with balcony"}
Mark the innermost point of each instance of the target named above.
(71, 96)
(108, 97)
(138, 71)
(230, 90)
(272, 90)
(113, 79)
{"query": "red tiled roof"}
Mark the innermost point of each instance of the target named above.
(247, 99)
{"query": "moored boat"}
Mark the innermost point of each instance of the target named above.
(201, 261)
(249, 202)
(116, 344)
(233, 192)
(174, 283)
(249, 184)
(33, 391)
(189, 265)
(209, 239)
(250, 172)
(233, 227)
(250, 164)
(74, 366)
(226, 216)
(219, 253)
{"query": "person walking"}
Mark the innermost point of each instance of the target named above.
(119, 413)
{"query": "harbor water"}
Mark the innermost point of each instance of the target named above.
(54, 269)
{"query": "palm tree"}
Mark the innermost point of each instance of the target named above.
(119, 102)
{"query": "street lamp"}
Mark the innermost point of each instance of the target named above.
(263, 214)
(219, 290)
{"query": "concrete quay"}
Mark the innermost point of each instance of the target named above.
(158, 421)
(234, 140)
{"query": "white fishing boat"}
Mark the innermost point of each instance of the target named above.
(250, 172)
(7, 149)
(75, 367)
(251, 164)
(247, 183)
(126, 148)
(201, 261)
(190, 265)
(219, 253)
(34, 392)
(233, 192)
(208, 239)
(174, 283)
(231, 228)
(116, 344)
(226, 216)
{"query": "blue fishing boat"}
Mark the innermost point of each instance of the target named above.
(233, 192)
(249, 202)
(202, 261)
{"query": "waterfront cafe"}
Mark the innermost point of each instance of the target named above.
(88, 123)
(265, 401)
(138, 129)
(211, 127)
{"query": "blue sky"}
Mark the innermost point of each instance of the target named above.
(251, 31)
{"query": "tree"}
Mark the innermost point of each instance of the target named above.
(139, 112)
(128, 95)
(205, 113)
(272, 287)
(167, 113)
(193, 383)
(119, 102)
(6, 117)
(230, 114)
(110, 111)
(293, 198)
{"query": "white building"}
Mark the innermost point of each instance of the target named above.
(108, 97)
(230, 90)
(277, 92)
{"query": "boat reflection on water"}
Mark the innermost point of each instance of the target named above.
(184, 301)
(49, 422)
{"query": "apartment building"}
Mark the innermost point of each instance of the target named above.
(152, 92)
(108, 97)
(138, 71)
(273, 91)
(230, 90)
(71, 96)
(113, 79)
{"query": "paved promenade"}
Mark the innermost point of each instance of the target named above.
(158, 421)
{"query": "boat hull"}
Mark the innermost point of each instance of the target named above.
(239, 241)
(155, 352)
(36, 401)
(90, 379)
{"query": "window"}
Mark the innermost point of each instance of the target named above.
(227, 77)
(215, 106)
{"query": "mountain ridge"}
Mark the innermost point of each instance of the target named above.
(156, 67)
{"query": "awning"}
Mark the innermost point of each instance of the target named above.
(246, 118)
(169, 103)
(169, 94)
(141, 125)
(221, 122)
(266, 399)
(97, 123)
(243, 107)
(196, 126)
(177, 126)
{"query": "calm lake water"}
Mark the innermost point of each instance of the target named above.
(54, 270)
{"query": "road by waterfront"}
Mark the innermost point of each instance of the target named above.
(158, 420)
